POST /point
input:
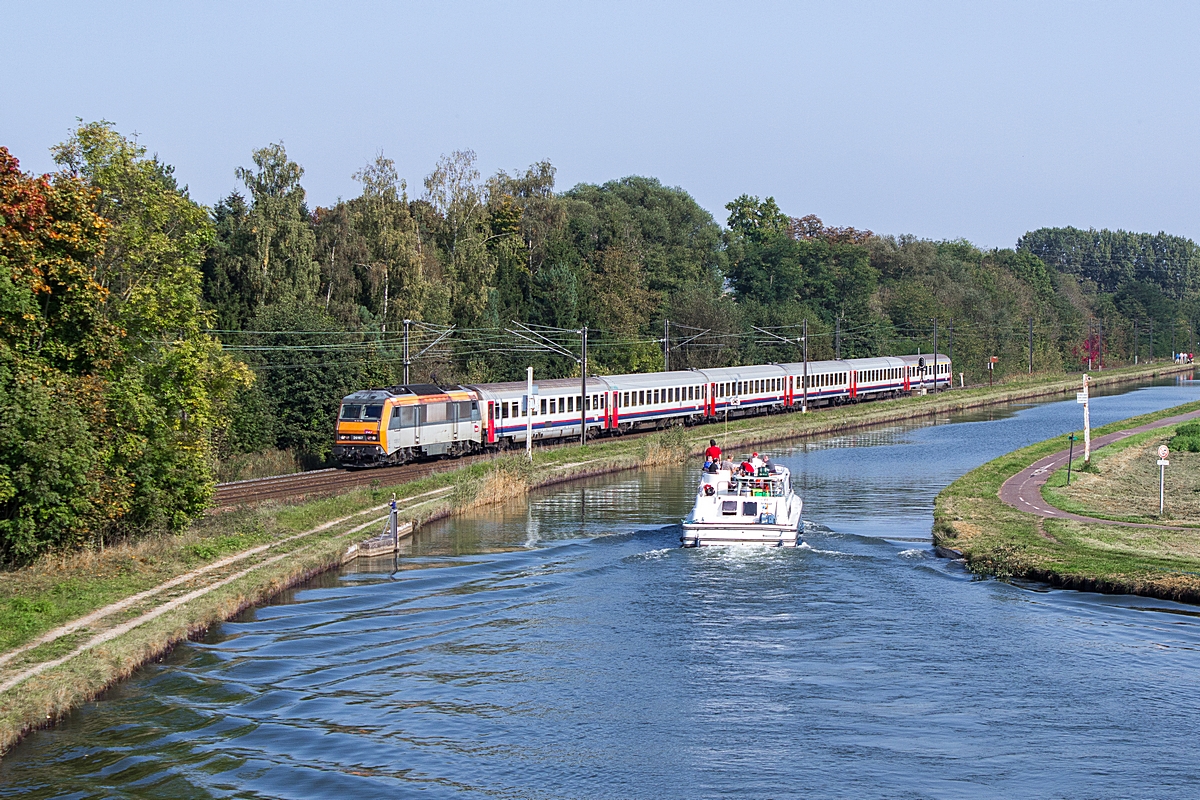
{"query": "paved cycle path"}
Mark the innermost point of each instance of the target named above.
(1023, 491)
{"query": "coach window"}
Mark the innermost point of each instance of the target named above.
(504, 411)
(543, 405)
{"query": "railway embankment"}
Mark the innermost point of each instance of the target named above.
(1015, 517)
(73, 624)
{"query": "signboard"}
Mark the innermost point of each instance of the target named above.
(1162, 462)
(1162, 451)
(1081, 397)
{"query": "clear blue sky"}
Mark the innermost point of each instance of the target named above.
(943, 120)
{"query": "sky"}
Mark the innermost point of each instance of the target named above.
(941, 120)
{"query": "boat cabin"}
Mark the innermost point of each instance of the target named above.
(764, 484)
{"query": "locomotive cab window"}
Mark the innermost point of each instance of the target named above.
(373, 412)
(350, 411)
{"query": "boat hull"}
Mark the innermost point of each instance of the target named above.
(709, 534)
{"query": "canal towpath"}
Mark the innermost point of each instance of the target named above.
(1023, 491)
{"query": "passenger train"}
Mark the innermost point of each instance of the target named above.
(398, 424)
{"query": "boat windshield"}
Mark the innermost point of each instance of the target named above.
(759, 486)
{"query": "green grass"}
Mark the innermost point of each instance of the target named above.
(1058, 480)
(996, 539)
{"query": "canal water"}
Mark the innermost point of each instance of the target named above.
(566, 647)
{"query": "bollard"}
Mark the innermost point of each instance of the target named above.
(394, 524)
(1070, 455)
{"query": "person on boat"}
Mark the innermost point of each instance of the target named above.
(713, 453)
(755, 461)
(747, 468)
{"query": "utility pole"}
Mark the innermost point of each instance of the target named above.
(666, 345)
(837, 338)
(935, 370)
(804, 400)
(951, 353)
(583, 391)
(1152, 339)
(1136, 349)
(1031, 345)
(407, 323)
(529, 413)
(1100, 351)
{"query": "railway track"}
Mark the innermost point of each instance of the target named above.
(324, 482)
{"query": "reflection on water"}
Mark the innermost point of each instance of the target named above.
(565, 646)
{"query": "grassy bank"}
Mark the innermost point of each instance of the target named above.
(1122, 483)
(996, 539)
(145, 596)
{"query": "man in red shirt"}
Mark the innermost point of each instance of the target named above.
(713, 453)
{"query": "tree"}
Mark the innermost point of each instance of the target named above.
(55, 342)
(456, 196)
(283, 239)
(388, 233)
(168, 382)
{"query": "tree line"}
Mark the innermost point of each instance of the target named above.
(146, 340)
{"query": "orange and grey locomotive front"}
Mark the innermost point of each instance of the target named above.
(400, 423)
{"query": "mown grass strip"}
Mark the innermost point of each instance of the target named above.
(996, 539)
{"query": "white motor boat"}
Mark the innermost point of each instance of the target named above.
(733, 508)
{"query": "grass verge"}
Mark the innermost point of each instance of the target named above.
(998, 540)
(1123, 483)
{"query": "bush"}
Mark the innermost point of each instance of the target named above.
(1187, 438)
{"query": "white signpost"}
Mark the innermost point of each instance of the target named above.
(529, 413)
(1082, 397)
(1162, 475)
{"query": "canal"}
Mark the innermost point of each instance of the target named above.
(565, 646)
